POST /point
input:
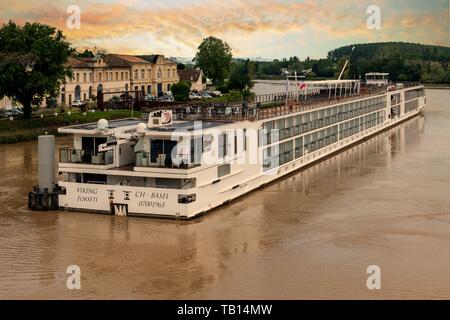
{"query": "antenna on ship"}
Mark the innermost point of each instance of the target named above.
(346, 62)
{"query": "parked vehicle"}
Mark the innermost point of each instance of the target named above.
(77, 103)
(11, 112)
(149, 97)
(17, 112)
(194, 96)
(215, 93)
(165, 98)
(205, 95)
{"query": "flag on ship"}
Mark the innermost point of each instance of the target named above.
(302, 85)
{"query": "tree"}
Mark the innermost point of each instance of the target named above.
(180, 90)
(181, 66)
(32, 62)
(240, 78)
(85, 54)
(214, 59)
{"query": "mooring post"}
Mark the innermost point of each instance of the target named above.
(45, 195)
(46, 151)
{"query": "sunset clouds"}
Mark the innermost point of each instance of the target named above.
(256, 28)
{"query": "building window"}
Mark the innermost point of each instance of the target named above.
(78, 77)
(77, 93)
(121, 76)
(143, 74)
(126, 75)
(100, 77)
(84, 77)
(159, 74)
(149, 74)
(135, 74)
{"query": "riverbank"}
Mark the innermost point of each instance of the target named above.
(20, 130)
(444, 86)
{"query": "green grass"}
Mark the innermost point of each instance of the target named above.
(29, 129)
(232, 96)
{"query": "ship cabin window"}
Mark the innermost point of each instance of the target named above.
(298, 147)
(280, 125)
(94, 178)
(223, 170)
(413, 94)
(90, 144)
(270, 158)
(297, 123)
(170, 183)
(161, 151)
(267, 130)
(223, 145)
(196, 150)
(245, 139)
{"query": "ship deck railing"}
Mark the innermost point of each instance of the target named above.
(145, 160)
(266, 106)
(78, 156)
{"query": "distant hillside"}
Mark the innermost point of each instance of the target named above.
(411, 51)
(404, 61)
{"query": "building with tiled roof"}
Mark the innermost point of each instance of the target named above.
(91, 76)
(195, 77)
(149, 74)
(164, 73)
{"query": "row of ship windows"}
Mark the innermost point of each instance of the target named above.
(285, 152)
(293, 126)
(411, 105)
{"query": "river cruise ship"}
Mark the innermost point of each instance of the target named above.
(184, 160)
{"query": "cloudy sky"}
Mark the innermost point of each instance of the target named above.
(253, 28)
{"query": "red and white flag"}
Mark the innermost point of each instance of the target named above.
(302, 86)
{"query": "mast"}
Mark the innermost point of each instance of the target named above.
(346, 62)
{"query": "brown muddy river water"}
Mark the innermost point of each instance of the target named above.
(311, 235)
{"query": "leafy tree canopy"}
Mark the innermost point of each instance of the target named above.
(214, 59)
(180, 90)
(32, 61)
(86, 54)
(240, 78)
